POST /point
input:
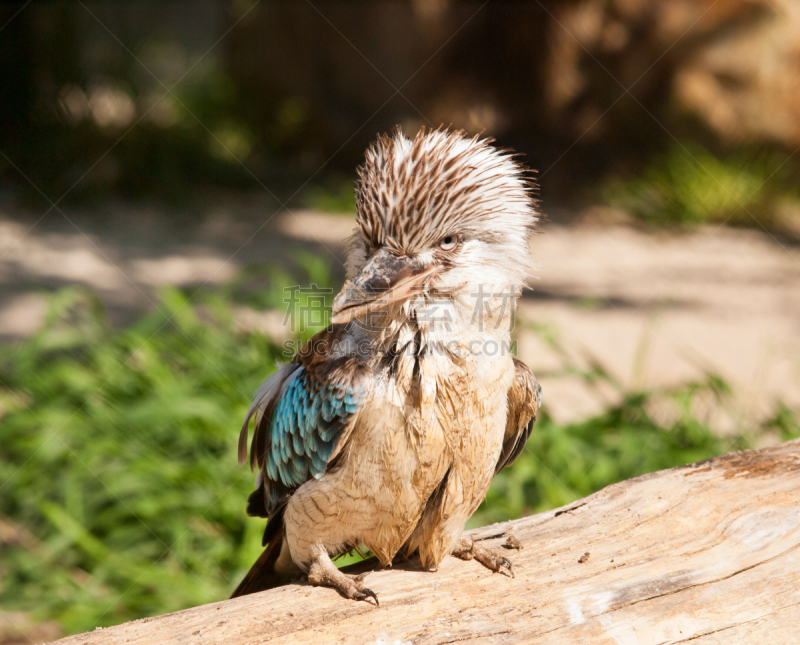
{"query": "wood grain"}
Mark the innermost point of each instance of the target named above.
(706, 553)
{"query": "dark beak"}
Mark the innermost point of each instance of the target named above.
(386, 278)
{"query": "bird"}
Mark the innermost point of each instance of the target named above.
(386, 429)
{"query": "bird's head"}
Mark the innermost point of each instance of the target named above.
(442, 215)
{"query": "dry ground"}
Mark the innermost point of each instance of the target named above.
(653, 309)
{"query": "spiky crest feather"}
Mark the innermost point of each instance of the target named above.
(411, 193)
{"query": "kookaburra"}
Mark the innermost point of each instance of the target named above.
(386, 430)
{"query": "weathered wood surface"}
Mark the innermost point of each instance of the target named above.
(707, 553)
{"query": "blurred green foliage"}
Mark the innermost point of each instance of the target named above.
(118, 459)
(691, 185)
(340, 198)
(120, 493)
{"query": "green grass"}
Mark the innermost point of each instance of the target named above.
(691, 185)
(120, 494)
(118, 457)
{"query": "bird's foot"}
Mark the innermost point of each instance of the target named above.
(323, 572)
(466, 549)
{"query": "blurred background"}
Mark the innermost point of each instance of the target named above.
(175, 187)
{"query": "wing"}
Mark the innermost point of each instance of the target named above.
(524, 399)
(302, 417)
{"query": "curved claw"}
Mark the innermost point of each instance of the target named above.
(323, 572)
(503, 563)
(487, 557)
(368, 593)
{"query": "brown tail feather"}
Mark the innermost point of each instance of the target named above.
(262, 574)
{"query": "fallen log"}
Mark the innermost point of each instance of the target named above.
(706, 553)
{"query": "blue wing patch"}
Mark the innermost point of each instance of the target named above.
(305, 426)
(302, 416)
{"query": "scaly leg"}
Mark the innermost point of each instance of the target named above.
(323, 572)
(466, 549)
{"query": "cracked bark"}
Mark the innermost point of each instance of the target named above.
(702, 554)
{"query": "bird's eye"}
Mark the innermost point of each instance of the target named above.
(448, 243)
